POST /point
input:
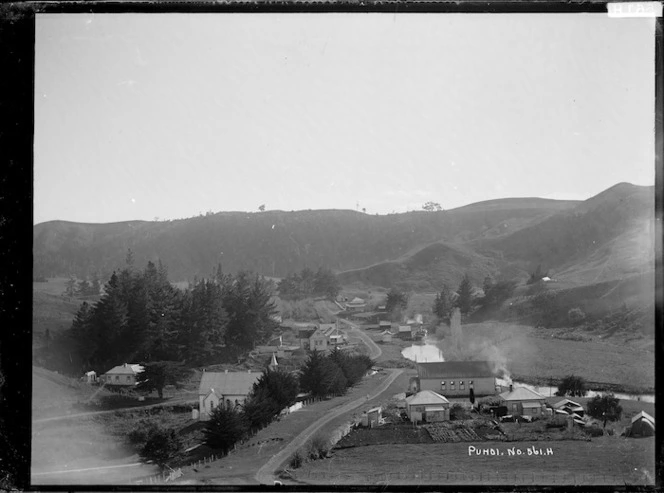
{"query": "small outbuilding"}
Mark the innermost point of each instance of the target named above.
(386, 336)
(643, 425)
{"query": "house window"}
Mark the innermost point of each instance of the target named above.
(452, 385)
(117, 378)
(442, 385)
(461, 385)
(534, 410)
(470, 383)
(236, 403)
(128, 378)
(211, 405)
(515, 407)
(228, 403)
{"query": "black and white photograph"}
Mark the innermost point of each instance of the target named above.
(372, 248)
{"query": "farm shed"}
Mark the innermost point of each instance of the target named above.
(643, 425)
(570, 407)
(229, 388)
(427, 406)
(386, 336)
(456, 378)
(523, 401)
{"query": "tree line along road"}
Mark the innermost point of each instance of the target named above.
(266, 474)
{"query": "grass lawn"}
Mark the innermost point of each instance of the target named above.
(604, 460)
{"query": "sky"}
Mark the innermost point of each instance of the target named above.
(143, 116)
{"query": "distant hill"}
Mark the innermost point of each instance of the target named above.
(274, 243)
(606, 236)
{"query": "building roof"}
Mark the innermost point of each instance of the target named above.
(404, 328)
(385, 323)
(644, 415)
(566, 402)
(227, 383)
(425, 397)
(455, 369)
(356, 301)
(521, 394)
(125, 369)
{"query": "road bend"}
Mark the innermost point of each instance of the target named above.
(374, 350)
(266, 474)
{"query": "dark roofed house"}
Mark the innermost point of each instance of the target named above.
(456, 378)
(224, 388)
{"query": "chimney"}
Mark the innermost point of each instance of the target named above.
(511, 388)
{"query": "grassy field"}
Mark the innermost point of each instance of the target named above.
(527, 352)
(604, 460)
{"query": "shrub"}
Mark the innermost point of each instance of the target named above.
(576, 316)
(594, 431)
(296, 460)
(458, 412)
(319, 448)
(161, 446)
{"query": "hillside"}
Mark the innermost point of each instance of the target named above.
(604, 237)
(427, 269)
(274, 243)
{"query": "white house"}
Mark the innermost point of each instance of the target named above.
(124, 375)
(224, 388)
(523, 401)
(428, 406)
(89, 377)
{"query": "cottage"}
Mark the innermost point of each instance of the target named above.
(643, 425)
(522, 401)
(385, 325)
(304, 335)
(325, 337)
(224, 388)
(456, 378)
(356, 305)
(122, 375)
(405, 332)
(427, 406)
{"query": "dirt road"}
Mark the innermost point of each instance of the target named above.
(374, 350)
(265, 474)
(133, 408)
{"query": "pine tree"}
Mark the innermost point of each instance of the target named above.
(443, 304)
(465, 295)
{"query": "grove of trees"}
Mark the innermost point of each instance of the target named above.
(307, 284)
(142, 317)
(573, 386)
